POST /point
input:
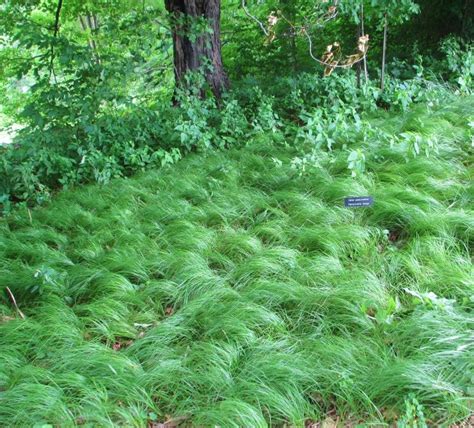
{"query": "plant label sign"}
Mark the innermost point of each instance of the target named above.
(358, 201)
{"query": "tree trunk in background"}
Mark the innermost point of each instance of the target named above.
(89, 22)
(362, 33)
(358, 65)
(465, 16)
(384, 52)
(192, 54)
(288, 8)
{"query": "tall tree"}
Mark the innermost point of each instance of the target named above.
(197, 47)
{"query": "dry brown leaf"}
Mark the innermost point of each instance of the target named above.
(170, 423)
(329, 423)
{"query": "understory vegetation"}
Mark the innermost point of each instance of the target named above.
(235, 289)
(177, 245)
(114, 143)
(87, 112)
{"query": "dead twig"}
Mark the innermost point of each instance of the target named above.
(13, 300)
(332, 58)
(260, 23)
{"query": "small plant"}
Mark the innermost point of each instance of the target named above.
(46, 277)
(417, 144)
(265, 118)
(234, 124)
(414, 416)
(430, 300)
(460, 62)
(356, 162)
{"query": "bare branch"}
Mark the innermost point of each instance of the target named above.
(12, 298)
(260, 23)
(331, 58)
(337, 63)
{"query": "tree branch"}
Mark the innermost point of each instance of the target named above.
(13, 300)
(260, 23)
(329, 60)
(56, 32)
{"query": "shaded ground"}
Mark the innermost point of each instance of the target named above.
(231, 290)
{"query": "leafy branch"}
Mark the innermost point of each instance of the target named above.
(332, 58)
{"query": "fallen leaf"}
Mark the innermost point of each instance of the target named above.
(170, 423)
(329, 423)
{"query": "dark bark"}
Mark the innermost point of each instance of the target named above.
(202, 53)
(384, 52)
(358, 65)
(362, 33)
(466, 16)
(289, 11)
(56, 18)
(56, 32)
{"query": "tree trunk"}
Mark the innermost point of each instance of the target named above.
(358, 66)
(362, 33)
(289, 11)
(202, 53)
(89, 22)
(465, 17)
(384, 52)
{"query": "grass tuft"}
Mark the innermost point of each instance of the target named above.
(231, 291)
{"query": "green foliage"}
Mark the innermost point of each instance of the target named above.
(233, 289)
(90, 140)
(230, 290)
(460, 62)
(115, 144)
(417, 143)
(93, 113)
(413, 417)
(356, 162)
(397, 11)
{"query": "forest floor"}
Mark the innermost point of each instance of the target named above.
(232, 290)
